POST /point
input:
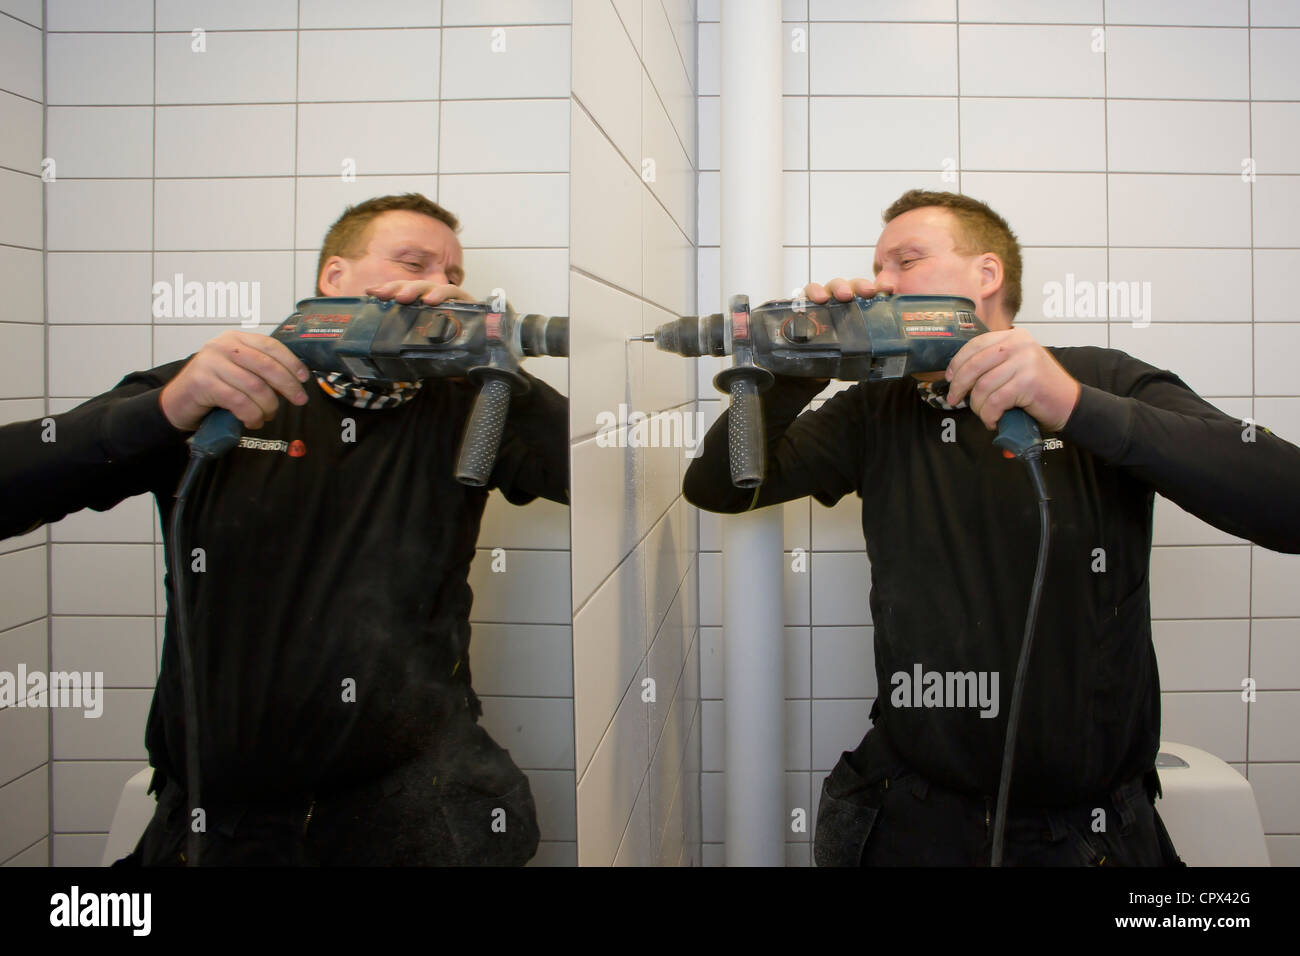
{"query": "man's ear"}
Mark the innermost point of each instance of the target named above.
(331, 274)
(991, 273)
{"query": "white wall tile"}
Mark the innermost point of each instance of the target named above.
(271, 271)
(509, 209)
(368, 64)
(96, 68)
(634, 847)
(494, 12)
(101, 141)
(667, 259)
(99, 214)
(1152, 210)
(88, 359)
(1030, 61)
(121, 282)
(1274, 301)
(369, 143)
(21, 147)
(120, 648)
(553, 792)
(1222, 13)
(838, 528)
(913, 59)
(1038, 134)
(667, 71)
(1032, 11)
(234, 68)
(540, 524)
(532, 588)
(315, 14)
(1273, 343)
(1273, 720)
(534, 280)
(607, 75)
(27, 740)
(20, 197)
(1275, 141)
(1276, 786)
(185, 15)
(1176, 63)
(843, 662)
(29, 11)
(1275, 653)
(1200, 582)
(25, 812)
(605, 528)
(1272, 64)
(1046, 208)
(1211, 359)
(534, 62)
(22, 274)
(1201, 655)
(1160, 136)
(1274, 13)
(605, 190)
(672, 177)
(1273, 580)
(195, 214)
(102, 579)
(224, 141)
(495, 136)
(923, 132)
(839, 588)
(882, 10)
(607, 790)
(1214, 722)
(1272, 225)
(1178, 292)
(92, 15)
(709, 75)
(609, 647)
(79, 849)
(86, 792)
(116, 734)
(1068, 334)
(28, 376)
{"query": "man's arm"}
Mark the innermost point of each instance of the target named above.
(1242, 480)
(103, 451)
(819, 453)
(533, 460)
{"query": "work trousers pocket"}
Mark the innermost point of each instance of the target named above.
(843, 826)
(486, 829)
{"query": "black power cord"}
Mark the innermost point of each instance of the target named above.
(218, 433)
(1033, 460)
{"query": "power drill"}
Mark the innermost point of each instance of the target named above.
(383, 341)
(862, 340)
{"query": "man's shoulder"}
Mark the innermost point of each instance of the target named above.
(1098, 366)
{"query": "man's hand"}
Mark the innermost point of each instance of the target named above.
(239, 371)
(841, 289)
(407, 291)
(1005, 369)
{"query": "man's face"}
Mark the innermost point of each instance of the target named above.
(403, 245)
(916, 254)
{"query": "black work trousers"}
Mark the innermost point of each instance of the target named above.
(875, 811)
(462, 803)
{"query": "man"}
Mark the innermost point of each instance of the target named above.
(951, 531)
(329, 616)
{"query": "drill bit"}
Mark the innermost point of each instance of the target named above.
(648, 337)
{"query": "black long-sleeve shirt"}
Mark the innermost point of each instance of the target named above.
(330, 624)
(952, 532)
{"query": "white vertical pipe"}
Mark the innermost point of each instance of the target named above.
(752, 544)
